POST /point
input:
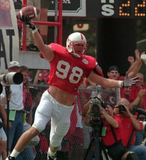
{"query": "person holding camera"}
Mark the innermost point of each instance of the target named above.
(15, 109)
(130, 125)
(110, 132)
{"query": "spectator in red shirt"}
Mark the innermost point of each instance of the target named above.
(111, 129)
(130, 125)
(137, 101)
(136, 96)
(137, 87)
(126, 94)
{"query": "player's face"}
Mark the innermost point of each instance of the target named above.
(79, 47)
(78, 50)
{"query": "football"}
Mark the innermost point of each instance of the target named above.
(30, 11)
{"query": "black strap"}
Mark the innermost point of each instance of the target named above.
(114, 135)
(132, 134)
(131, 137)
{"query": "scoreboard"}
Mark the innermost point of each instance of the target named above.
(121, 8)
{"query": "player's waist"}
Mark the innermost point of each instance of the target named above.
(65, 86)
(60, 97)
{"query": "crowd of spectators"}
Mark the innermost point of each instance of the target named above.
(131, 97)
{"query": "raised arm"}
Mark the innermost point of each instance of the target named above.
(139, 99)
(135, 122)
(111, 83)
(46, 51)
(134, 68)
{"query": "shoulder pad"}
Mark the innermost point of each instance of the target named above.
(94, 65)
(98, 70)
(91, 60)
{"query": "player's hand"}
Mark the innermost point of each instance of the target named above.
(128, 82)
(28, 22)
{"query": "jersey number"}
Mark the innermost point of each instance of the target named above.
(63, 69)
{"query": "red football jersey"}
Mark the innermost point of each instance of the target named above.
(67, 72)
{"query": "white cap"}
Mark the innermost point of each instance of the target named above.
(14, 64)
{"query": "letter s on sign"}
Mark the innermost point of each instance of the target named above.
(107, 10)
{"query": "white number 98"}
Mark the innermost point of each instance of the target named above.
(63, 70)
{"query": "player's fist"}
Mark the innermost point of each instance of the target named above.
(28, 22)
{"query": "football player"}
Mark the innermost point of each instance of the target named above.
(68, 66)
